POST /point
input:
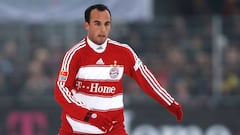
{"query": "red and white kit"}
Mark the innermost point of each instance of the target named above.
(90, 78)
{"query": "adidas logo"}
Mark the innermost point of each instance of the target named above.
(100, 61)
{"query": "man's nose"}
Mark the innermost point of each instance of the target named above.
(103, 28)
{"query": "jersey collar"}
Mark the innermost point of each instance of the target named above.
(97, 48)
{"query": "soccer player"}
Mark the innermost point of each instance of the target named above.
(89, 82)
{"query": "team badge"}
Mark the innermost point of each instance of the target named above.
(114, 72)
(62, 76)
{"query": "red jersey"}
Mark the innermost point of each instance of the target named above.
(89, 79)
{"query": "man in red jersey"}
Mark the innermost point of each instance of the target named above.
(89, 82)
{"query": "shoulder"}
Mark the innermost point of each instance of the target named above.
(77, 47)
(127, 51)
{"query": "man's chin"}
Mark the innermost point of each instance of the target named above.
(99, 42)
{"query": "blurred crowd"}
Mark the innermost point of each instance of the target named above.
(180, 52)
(197, 7)
(177, 49)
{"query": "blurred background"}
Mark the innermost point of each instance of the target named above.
(192, 46)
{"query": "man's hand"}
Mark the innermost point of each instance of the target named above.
(98, 120)
(176, 109)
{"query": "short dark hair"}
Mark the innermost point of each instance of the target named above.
(99, 7)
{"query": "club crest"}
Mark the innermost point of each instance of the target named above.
(114, 72)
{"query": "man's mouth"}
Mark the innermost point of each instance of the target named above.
(102, 36)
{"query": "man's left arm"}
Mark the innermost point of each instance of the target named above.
(152, 86)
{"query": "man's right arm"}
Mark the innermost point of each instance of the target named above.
(65, 83)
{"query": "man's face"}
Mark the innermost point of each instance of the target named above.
(99, 26)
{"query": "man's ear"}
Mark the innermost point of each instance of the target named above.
(86, 25)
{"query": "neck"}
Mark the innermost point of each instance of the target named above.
(97, 47)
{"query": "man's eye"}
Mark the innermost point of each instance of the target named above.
(107, 24)
(97, 23)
